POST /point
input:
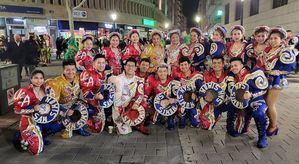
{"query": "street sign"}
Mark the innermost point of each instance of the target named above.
(149, 22)
(21, 9)
(80, 14)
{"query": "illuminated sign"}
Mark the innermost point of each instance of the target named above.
(148, 22)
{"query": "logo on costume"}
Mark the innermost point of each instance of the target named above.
(163, 106)
(134, 117)
(237, 96)
(49, 109)
(78, 119)
(212, 93)
(184, 97)
(108, 92)
(22, 98)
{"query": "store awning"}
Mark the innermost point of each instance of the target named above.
(64, 25)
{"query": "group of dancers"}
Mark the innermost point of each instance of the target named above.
(154, 84)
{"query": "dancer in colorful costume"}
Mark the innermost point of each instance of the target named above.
(129, 108)
(279, 61)
(247, 96)
(85, 56)
(255, 50)
(173, 50)
(90, 81)
(196, 50)
(213, 90)
(37, 114)
(154, 51)
(236, 48)
(162, 88)
(66, 89)
(187, 95)
(113, 53)
(134, 49)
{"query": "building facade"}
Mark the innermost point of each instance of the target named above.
(178, 18)
(261, 12)
(48, 16)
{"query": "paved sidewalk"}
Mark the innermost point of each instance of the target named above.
(162, 146)
(200, 146)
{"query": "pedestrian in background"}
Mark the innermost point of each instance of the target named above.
(15, 52)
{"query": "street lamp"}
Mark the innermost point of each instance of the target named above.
(166, 25)
(241, 15)
(197, 19)
(114, 17)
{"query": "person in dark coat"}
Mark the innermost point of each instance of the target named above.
(3, 48)
(15, 52)
(32, 49)
(59, 47)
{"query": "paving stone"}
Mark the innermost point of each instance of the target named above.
(86, 157)
(108, 158)
(218, 156)
(242, 156)
(143, 152)
(133, 159)
(155, 159)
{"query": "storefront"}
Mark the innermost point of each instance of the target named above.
(80, 28)
(17, 25)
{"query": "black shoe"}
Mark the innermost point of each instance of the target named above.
(82, 132)
(47, 142)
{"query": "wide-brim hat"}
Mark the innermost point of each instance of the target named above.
(221, 29)
(261, 29)
(175, 31)
(85, 37)
(280, 30)
(132, 32)
(237, 27)
(154, 32)
(197, 30)
(114, 34)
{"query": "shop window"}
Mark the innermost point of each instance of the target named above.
(226, 20)
(278, 3)
(88, 4)
(238, 10)
(75, 2)
(254, 7)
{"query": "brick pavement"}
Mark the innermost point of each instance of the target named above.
(162, 146)
(200, 146)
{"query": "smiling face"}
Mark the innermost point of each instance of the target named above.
(99, 64)
(217, 37)
(130, 68)
(114, 41)
(69, 72)
(236, 66)
(184, 67)
(175, 39)
(261, 37)
(134, 38)
(88, 44)
(193, 37)
(217, 64)
(275, 40)
(162, 73)
(144, 66)
(37, 80)
(156, 39)
(237, 35)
